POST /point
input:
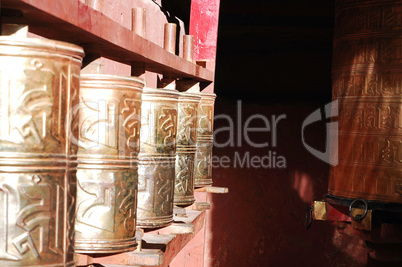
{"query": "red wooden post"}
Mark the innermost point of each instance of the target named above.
(204, 19)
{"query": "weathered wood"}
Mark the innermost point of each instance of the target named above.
(159, 247)
(213, 189)
(201, 206)
(172, 244)
(177, 229)
(145, 257)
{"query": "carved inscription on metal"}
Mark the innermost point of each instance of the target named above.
(33, 222)
(155, 193)
(156, 169)
(103, 195)
(37, 161)
(202, 167)
(107, 163)
(131, 123)
(187, 132)
(367, 81)
(184, 181)
(167, 123)
(186, 148)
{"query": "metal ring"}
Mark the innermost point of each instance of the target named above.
(358, 218)
(309, 217)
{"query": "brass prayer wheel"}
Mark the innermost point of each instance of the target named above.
(107, 179)
(156, 168)
(203, 166)
(186, 148)
(367, 82)
(39, 85)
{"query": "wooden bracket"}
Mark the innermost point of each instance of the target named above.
(213, 189)
(201, 206)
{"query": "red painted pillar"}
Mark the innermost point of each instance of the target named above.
(204, 19)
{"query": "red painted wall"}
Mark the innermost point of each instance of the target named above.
(204, 27)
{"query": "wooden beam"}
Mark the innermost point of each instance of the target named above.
(75, 22)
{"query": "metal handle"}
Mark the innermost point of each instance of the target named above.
(309, 217)
(358, 218)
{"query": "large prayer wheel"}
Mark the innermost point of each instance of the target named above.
(367, 82)
(156, 169)
(205, 127)
(39, 83)
(186, 148)
(109, 128)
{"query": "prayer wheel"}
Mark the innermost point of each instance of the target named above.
(203, 166)
(107, 178)
(156, 168)
(186, 148)
(367, 82)
(39, 85)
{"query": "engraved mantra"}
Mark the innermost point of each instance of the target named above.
(186, 131)
(160, 192)
(29, 119)
(382, 18)
(183, 176)
(204, 156)
(367, 51)
(167, 125)
(99, 123)
(131, 122)
(370, 116)
(99, 203)
(375, 150)
(367, 84)
(40, 216)
(101, 118)
(205, 121)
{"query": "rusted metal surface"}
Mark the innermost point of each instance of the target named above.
(203, 166)
(39, 85)
(156, 170)
(367, 78)
(186, 148)
(109, 111)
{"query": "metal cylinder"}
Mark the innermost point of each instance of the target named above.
(156, 169)
(109, 127)
(95, 4)
(188, 47)
(39, 85)
(186, 148)
(169, 41)
(203, 166)
(139, 21)
(367, 82)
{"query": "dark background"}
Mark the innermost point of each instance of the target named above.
(275, 56)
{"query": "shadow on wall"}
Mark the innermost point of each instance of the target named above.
(261, 221)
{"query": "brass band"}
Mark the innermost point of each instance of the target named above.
(367, 82)
(156, 169)
(202, 165)
(186, 149)
(107, 178)
(39, 85)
